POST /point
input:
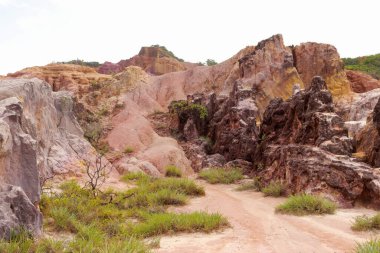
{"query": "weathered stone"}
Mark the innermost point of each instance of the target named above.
(315, 59)
(17, 212)
(361, 82)
(310, 169)
(307, 118)
(213, 161)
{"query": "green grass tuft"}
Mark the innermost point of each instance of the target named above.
(221, 176)
(172, 171)
(164, 223)
(253, 185)
(372, 246)
(274, 189)
(305, 204)
(364, 223)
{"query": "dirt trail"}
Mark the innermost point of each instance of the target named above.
(256, 228)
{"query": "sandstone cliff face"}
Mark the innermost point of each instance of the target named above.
(153, 60)
(361, 82)
(269, 70)
(315, 59)
(39, 134)
(63, 76)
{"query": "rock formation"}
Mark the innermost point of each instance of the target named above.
(63, 76)
(155, 60)
(305, 145)
(361, 82)
(17, 212)
(315, 59)
(39, 137)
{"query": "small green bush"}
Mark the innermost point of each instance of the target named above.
(372, 246)
(364, 223)
(274, 189)
(305, 204)
(221, 176)
(173, 171)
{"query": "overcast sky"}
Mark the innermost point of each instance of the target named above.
(37, 32)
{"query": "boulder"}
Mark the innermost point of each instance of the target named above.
(362, 82)
(17, 212)
(309, 169)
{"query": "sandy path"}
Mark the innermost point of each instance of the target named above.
(256, 228)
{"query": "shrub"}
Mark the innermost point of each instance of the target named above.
(304, 204)
(221, 176)
(372, 246)
(274, 189)
(135, 176)
(128, 150)
(364, 223)
(172, 171)
(211, 62)
(181, 185)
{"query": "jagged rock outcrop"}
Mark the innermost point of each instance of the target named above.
(233, 127)
(269, 70)
(155, 60)
(308, 118)
(361, 82)
(316, 59)
(373, 134)
(17, 212)
(304, 144)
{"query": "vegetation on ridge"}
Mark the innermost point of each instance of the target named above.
(368, 64)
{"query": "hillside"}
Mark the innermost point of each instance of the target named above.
(112, 156)
(369, 64)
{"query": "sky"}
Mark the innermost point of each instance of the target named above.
(38, 32)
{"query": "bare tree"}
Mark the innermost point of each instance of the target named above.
(97, 172)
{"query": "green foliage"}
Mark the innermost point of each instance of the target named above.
(368, 64)
(20, 242)
(167, 53)
(274, 189)
(364, 223)
(93, 64)
(135, 176)
(182, 106)
(115, 221)
(372, 246)
(211, 62)
(172, 171)
(128, 150)
(305, 204)
(221, 176)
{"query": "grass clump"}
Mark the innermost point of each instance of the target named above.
(305, 204)
(172, 171)
(115, 221)
(364, 223)
(372, 246)
(274, 189)
(221, 176)
(164, 223)
(253, 185)
(128, 150)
